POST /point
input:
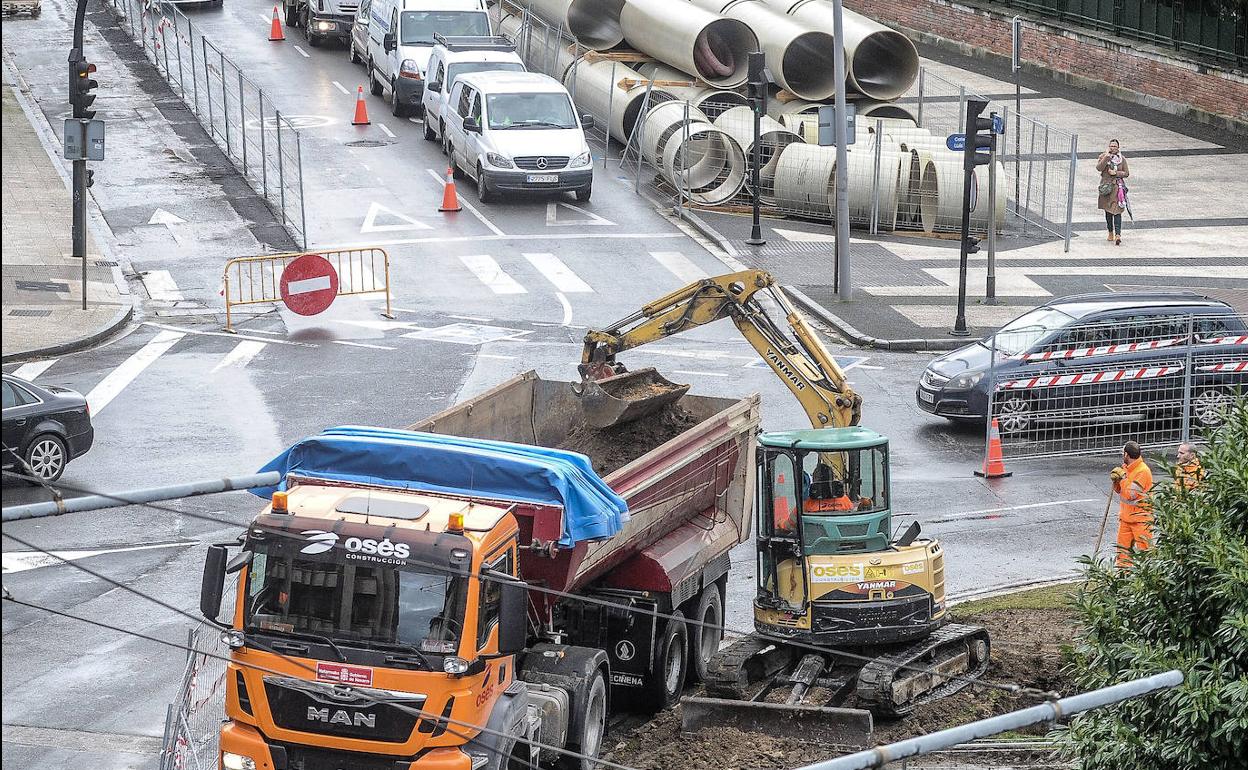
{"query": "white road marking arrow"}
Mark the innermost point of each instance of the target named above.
(20, 561)
(406, 223)
(591, 219)
(162, 217)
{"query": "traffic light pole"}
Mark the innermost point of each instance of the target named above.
(79, 223)
(973, 141)
(844, 290)
(758, 95)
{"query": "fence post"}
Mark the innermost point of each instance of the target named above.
(1031, 168)
(212, 126)
(264, 157)
(242, 120)
(303, 217)
(167, 741)
(683, 175)
(1044, 176)
(1070, 189)
(190, 40)
(875, 177)
(164, 46)
(961, 109)
(281, 173)
(606, 150)
(177, 39)
(1186, 431)
(918, 118)
(225, 106)
(990, 289)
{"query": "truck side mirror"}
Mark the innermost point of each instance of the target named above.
(513, 618)
(587, 121)
(213, 585)
(388, 42)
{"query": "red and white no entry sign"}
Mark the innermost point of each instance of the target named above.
(309, 284)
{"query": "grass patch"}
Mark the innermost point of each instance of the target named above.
(1055, 597)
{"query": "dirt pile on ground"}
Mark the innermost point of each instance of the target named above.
(612, 448)
(659, 745)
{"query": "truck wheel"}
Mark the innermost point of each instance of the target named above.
(671, 666)
(396, 104)
(430, 135)
(374, 86)
(593, 728)
(292, 16)
(704, 639)
(355, 57)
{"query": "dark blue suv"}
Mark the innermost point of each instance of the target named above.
(1098, 356)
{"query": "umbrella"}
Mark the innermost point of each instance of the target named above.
(1124, 200)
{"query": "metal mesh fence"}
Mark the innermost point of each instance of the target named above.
(235, 112)
(1148, 377)
(193, 720)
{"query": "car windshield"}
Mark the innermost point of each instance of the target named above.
(463, 68)
(418, 26)
(534, 110)
(1025, 331)
(291, 592)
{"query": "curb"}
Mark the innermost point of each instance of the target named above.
(120, 319)
(822, 313)
(1012, 588)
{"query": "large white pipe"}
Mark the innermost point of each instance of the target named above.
(880, 62)
(798, 58)
(705, 163)
(697, 41)
(712, 101)
(595, 23)
(661, 124)
(887, 110)
(548, 53)
(860, 171)
(738, 122)
(596, 88)
(806, 180)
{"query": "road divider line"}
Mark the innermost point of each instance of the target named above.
(32, 370)
(499, 237)
(476, 318)
(267, 18)
(994, 513)
(341, 87)
(132, 367)
(227, 335)
(302, 52)
(679, 265)
(567, 309)
(558, 273)
(493, 355)
(362, 345)
(385, 130)
(241, 355)
(471, 208)
(492, 274)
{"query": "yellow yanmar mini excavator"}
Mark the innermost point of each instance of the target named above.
(844, 614)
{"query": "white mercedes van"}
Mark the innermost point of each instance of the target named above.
(518, 131)
(456, 56)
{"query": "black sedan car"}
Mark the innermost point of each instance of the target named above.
(45, 427)
(1095, 357)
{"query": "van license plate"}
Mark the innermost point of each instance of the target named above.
(540, 178)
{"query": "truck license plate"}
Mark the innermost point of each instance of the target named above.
(540, 178)
(927, 397)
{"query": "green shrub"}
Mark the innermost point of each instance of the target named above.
(1182, 605)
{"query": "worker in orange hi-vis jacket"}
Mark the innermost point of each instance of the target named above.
(1133, 481)
(1187, 471)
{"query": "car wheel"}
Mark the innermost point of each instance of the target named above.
(484, 193)
(396, 104)
(292, 17)
(46, 457)
(374, 87)
(430, 135)
(1014, 413)
(583, 194)
(1210, 406)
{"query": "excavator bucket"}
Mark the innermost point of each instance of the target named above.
(841, 726)
(623, 398)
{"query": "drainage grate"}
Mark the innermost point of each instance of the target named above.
(41, 286)
(369, 143)
(104, 263)
(29, 313)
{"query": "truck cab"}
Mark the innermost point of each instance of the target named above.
(322, 20)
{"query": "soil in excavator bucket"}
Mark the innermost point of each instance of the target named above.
(623, 398)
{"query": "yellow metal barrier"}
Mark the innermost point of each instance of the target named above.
(257, 280)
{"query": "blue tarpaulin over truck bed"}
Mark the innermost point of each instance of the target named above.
(460, 466)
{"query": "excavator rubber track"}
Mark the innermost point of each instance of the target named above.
(891, 688)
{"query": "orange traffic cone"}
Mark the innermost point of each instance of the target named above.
(450, 201)
(994, 463)
(361, 109)
(275, 29)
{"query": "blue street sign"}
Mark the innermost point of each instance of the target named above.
(998, 124)
(956, 142)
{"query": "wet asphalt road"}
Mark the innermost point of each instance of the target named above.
(189, 402)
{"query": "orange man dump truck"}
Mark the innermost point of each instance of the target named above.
(437, 598)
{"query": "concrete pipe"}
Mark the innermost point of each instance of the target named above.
(712, 101)
(909, 209)
(860, 175)
(738, 122)
(713, 47)
(934, 182)
(705, 164)
(596, 87)
(799, 59)
(880, 62)
(661, 124)
(887, 110)
(806, 180)
(594, 23)
(982, 211)
(546, 53)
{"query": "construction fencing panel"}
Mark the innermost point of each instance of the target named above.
(239, 116)
(1148, 377)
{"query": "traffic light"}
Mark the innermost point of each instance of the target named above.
(972, 244)
(979, 135)
(90, 177)
(81, 84)
(756, 86)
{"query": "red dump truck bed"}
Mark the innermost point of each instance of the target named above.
(687, 474)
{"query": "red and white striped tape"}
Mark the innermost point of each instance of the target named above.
(1230, 366)
(1090, 378)
(1128, 347)
(1240, 340)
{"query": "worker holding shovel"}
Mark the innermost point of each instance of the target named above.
(1131, 482)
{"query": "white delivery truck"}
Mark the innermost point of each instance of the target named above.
(456, 56)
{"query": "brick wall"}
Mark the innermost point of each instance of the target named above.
(1129, 70)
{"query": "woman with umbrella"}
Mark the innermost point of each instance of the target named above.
(1112, 191)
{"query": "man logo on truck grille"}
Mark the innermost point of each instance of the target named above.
(342, 717)
(320, 541)
(625, 650)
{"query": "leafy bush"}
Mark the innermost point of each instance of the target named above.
(1183, 605)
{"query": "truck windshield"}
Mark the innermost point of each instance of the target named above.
(463, 68)
(535, 110)
(292, 592)
(418, 26)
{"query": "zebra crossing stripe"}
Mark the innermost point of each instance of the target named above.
(241, 355)
(491, 274)
(32, 370)
(559, 274)
(1090, 378)
(132, 367)
(679, 265)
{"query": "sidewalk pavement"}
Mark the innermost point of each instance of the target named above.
(42, 283)
(1190, 199)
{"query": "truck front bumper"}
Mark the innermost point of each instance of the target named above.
(330, 26)
(245, 740)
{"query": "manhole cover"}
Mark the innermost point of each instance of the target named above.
(368, 143)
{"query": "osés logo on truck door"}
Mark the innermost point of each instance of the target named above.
(362, 548)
